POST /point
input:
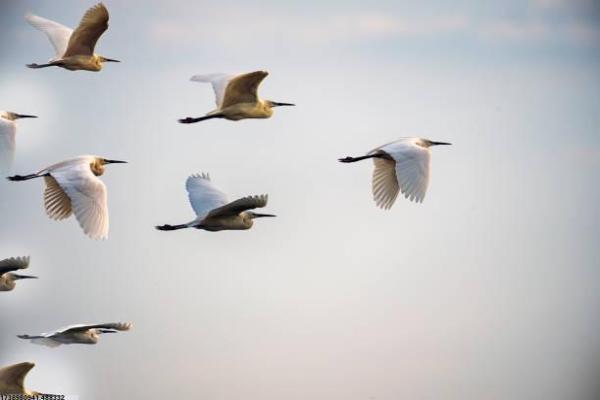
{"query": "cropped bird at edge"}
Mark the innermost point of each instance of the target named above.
(8, 133)
(73, 187)
(400, 166)
(8, 276)
(12, 379)
(236, 97)
(77, 334)
(75, 48)
(214, 212)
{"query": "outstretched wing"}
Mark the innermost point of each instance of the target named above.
(13, 264)
(243, 88)
(203, 194)
(56, 201)
(219, 83)
(87, 194)
(92, 26)
(8, 130)
(385, 184)
(57, 33)
(12, 378)
(243, 204)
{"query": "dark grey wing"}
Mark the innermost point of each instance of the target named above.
(237, 206)
(13, 264)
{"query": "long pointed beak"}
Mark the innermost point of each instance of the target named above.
(257, 215)
(276, 104)
(114, 162)
(25, 276)
(106, 331)
(111, 60)
(440, 143)
(19, 116)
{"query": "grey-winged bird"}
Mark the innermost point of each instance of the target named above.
(214, 212)
(75, 48)
(73, 187)
(8, 276)
(236, 97)
(77, 334)
(12, 379)
(8, 133)
(400, 166)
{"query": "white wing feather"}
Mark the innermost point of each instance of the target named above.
(8, 131)
(412, 168)
(219, 83)
(204, 195)
(87, 193)
(58, 34)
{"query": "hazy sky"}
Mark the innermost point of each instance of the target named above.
(489, 290)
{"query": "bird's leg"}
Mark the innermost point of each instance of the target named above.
(18, 178)
(171, 227)
(355, 159)
(50, 64)
(190, 120)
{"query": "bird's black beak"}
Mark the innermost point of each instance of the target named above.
(111, 60)
(257, 215)
(276, 104)
(16, 276)
(114, 162)
(440, 143)
(107, 331)
(19, 116)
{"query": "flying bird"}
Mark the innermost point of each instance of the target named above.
(8, 131)
(73, 187)
(400, 166)
(236, 97)
(214, 212)
(8, 277)
(75, 48)
(77, 334)
(12, 379)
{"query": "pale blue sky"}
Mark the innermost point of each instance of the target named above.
(487, 290)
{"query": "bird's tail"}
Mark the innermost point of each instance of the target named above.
(191, 120)
(18, 178)
(171, 227)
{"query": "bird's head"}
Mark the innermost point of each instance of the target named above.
(98, 164)
(428, 143)
(103, 59)
(253, 215)
(273, 104)
(12, 116)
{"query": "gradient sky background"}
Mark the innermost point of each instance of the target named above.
(488, 290)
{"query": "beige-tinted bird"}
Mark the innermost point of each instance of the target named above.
(75, 49)
(214, 212)
(73, 187)
(400, 166)
(77, 334)
(8, 133)
(236, 97)
(12, 379)
(8, 278)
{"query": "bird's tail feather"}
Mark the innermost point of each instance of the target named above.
(168, 227)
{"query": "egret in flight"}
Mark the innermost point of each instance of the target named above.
(73, 187)
(8, 277)
(12, 379)
(214, 212)
(236, 97)
(77, 334)
(75, 48)
(400, 166)
(8, 131)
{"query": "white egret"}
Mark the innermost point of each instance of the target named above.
(77, 334)
(214, 212)
(75, 49)
(236, 97)
(8, 132)
(400, 166)
(12, 379)
(73, 186)
(8, 277)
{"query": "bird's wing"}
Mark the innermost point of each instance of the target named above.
(12, 378)
(92, 26)
(412, 171)
(87, 194)
(219, 83)
(56, 201)
(13, 264)
(242, 88)
(243, 204)
(203, 194)
(8, 130)
(117, 326)
(385, 184)
(57, 33)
